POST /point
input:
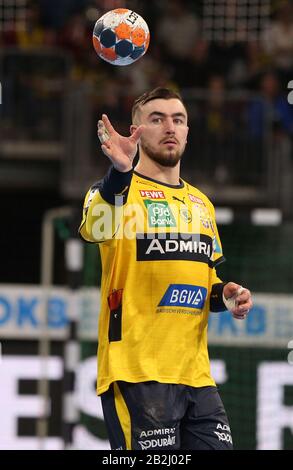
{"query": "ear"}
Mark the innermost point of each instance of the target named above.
(133, 128)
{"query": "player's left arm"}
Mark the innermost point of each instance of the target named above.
(229, 296)
(226, 295)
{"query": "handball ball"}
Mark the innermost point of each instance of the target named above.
(121, 37)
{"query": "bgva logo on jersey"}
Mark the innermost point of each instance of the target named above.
(184, 295)
(159, 214)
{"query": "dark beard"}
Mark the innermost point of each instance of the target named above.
(170, 160)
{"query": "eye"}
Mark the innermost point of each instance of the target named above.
(157, 120)
(178, 121)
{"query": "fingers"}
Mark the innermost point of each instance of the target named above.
(110, 129)
(244, 298)
(240, 316)
(231, 289)
(240, 290)
(137, 134)
(106, 148)
(102, 132)
(243, 304)
(240, 312)
(241, 308)
(105, 129)
(241, 298)
(243, 295)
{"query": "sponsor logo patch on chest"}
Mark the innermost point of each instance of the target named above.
(159, 214)
(184, 295)
(152, 194)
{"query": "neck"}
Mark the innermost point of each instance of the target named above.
(151, 169)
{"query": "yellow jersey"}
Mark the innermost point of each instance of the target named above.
(159, 249)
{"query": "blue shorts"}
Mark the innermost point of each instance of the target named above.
(157, 416)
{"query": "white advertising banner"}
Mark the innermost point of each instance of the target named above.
(30, 312)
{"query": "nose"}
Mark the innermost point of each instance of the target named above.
(169, 126)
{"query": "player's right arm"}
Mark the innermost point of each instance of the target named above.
(103, 204)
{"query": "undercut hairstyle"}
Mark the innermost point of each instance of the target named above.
(157, 93)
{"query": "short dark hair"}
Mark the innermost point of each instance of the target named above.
(157, 93)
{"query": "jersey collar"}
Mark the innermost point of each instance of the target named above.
(177, 186)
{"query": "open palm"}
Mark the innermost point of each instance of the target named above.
(119, 149)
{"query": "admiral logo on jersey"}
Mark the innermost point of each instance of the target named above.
(173, 246)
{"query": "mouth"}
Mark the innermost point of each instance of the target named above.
(169, 142)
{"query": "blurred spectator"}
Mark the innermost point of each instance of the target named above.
(145, 75)
(197, 69)
(212, 128)
(257, 61)
(76, 36)
(270, 108)
(225, 58)
(34, 34)
(178, 56)
(110, 102)
(56, 12)
(178, 30)
(245, 70)
(278, 41)
(218, 128)
(269, 116)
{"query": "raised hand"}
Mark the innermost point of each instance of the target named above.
(120, 150)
